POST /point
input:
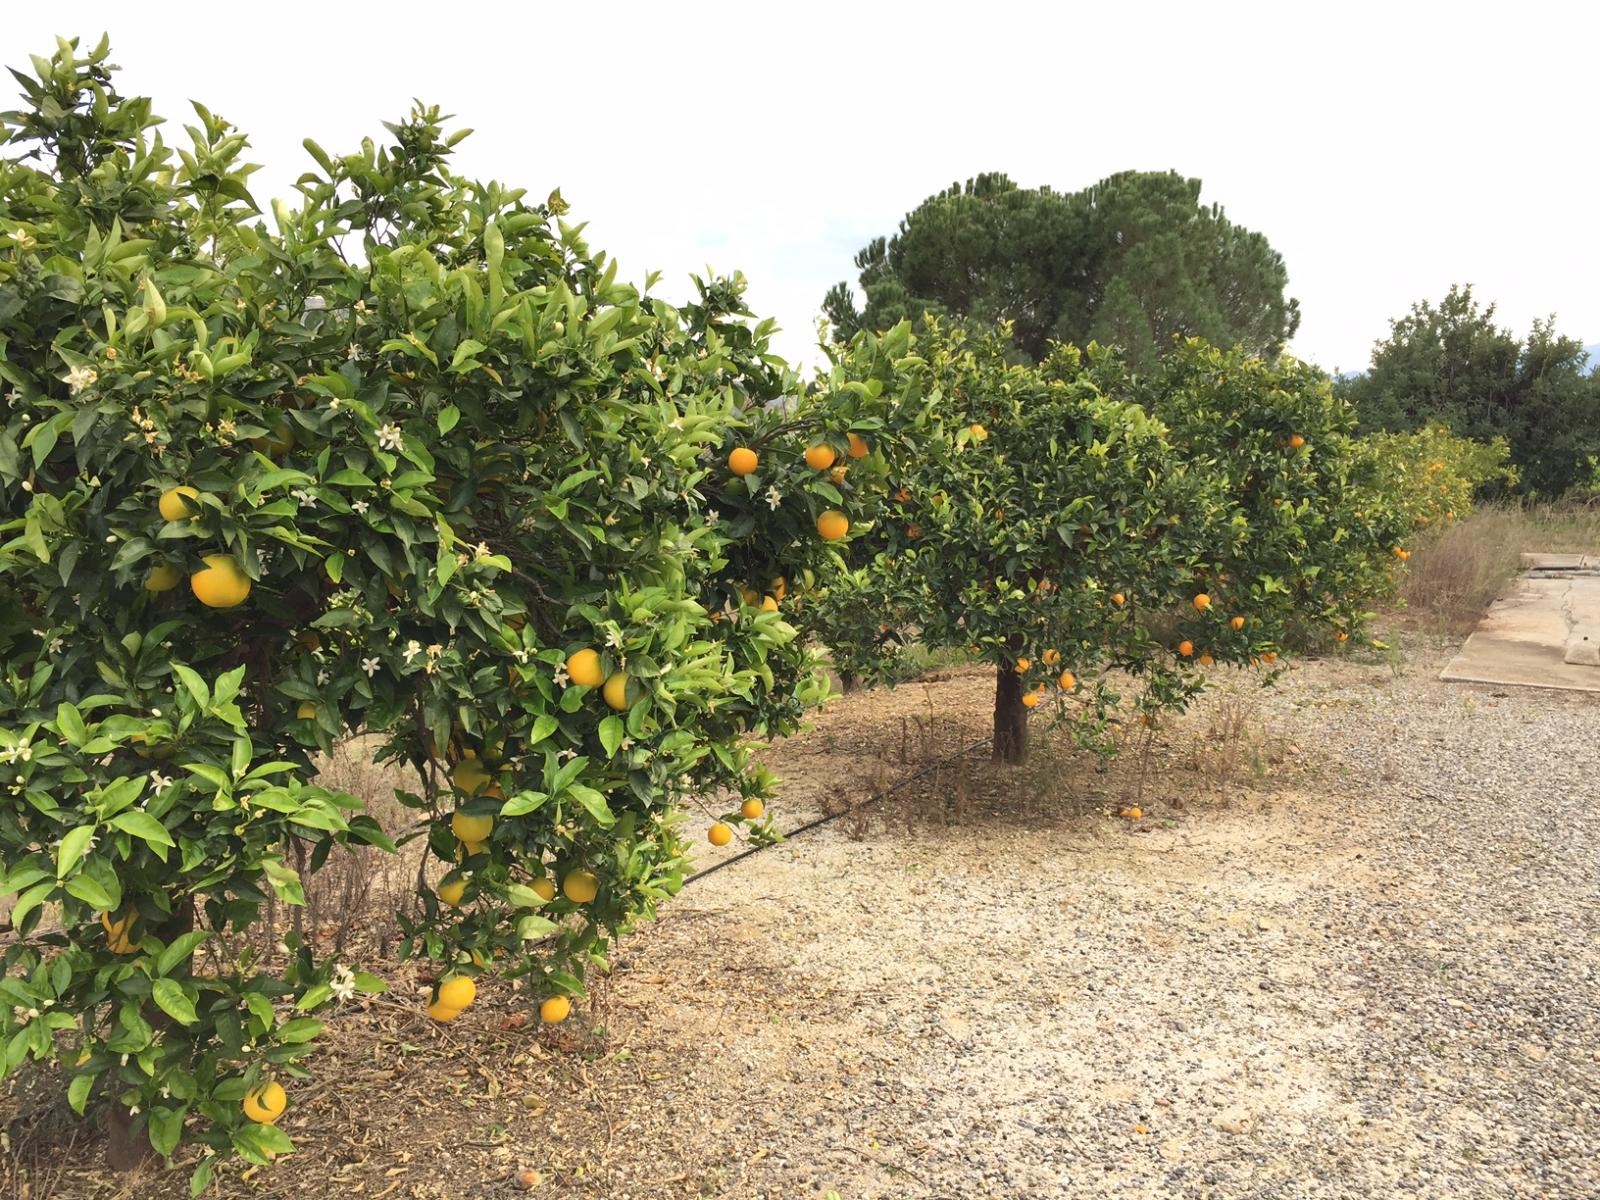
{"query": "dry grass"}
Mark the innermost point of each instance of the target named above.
(1455, 575)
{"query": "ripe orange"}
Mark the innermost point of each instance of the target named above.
(719, 834)
(163, 577)
(1296, 442)
(1237, 622)
(1202, 602)
(902, 496)
(1341, 636)
(838, 473)
(580, 886)
(1271, 656)
(442, 1012)
(821, 456)
(978, 432)
(1119, 599)
(544, 889)
(1133, 813)
(265, 1104)
(1052, 657)
(469, 828)
(175, 503)
(1030, 700)
(452, 888)
(457, 993)
(779, 588)
(769, 604)
(833, 525)
(616, 691)
(583, 668)
(307, 711)
(751, 810)
(1206, 660)
(555, 1010)
(1068, 681)
(1023, 665)
(743, 461)
(1186, 648)
(1401, 554)
(858, 446)
(221, 583)
(470, 776)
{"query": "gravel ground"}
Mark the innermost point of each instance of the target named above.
(1371, 974)
(1349, 952)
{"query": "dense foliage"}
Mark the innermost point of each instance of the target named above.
(1134, 261)
(413, 462)
(1451, 365)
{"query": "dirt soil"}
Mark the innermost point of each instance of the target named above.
(1349, 950)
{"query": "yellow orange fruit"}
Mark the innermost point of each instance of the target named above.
(470, 828)
(833, 525)
(1202, 602)
(1067, 681)
(442, 1012)
(1023, 666)
(163, 577)
(858, 446)
(1296, 442)
(472, 777)
(616, 691)
(543, 889)
(1186, 649)
(452, 888)
(306, 711)
(1401, 553)
(769, 604)
(743, 461)
(1030, 700)
(821, 456)
(1119, 599)
(751, 810)
(174, 503)
(221, 583)
(838, 473)
(779, 587)
(583, 668)
(555, 1010)
(265, 1104)
(1237, 622)
(1051, 657)
(1135, 813)
(457, 993)
(719, 834)
(580, 886)
(978, 432)
(1341, 636)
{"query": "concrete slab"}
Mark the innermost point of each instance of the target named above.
(1542, 633)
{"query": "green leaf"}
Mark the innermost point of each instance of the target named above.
(143, 826)
(69, 721)
(258, 1143)
(612, 731)
(73, 847)
(78, 1091)
(193, 684)
(181, 949)
(370, 984)
(168, 993)
(301, 1029)
(166, 1127)
(523, 803)
(532, 926)
(317, 994)
(201, 1179)
(543, 726)
(448, 416)
(594, 802)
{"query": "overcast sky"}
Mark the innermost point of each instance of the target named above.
(1386, 150)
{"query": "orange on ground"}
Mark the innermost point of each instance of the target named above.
(457, 993)
(442, 1012)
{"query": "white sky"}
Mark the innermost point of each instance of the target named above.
(1386, 150)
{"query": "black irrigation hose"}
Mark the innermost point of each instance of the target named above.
(826, 817)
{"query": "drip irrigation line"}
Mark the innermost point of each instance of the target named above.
(826, 817)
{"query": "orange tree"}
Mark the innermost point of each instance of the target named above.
(411, 462)
(1081, 528)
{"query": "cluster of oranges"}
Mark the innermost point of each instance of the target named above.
(221, 583)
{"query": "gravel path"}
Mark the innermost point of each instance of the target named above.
(1372, 976)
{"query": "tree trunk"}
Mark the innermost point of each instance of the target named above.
(126, 1147)
(1010, 718)
(848, 681)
